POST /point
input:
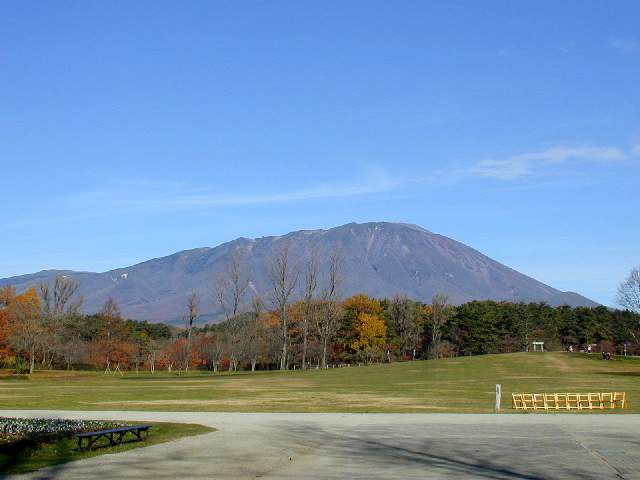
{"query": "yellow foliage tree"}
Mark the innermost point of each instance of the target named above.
(371, 332)
(361, 303)
(363, 325)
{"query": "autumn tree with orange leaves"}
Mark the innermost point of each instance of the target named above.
(114, 345)
(28, 334)
(7, 294)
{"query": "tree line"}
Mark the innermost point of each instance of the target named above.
(44, 327)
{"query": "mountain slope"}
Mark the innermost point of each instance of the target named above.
(378, 259)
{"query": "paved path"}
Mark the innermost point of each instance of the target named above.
(366, 446)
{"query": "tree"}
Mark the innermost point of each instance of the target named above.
(255, 334)
(193, 305)
(283, 277)
(229, 292)
(629, 291)
(59, 302)
(310, 308)
(212, 350)
(371, 331)
(441, 313)
(152, 348)
(629, 295)
(404, 320)
(232, 331)
(28, 332)
(114, 345)
(328, 319)
(363, 325)
(230, 287)
(175, 354)
(7, 293)
(73, 348)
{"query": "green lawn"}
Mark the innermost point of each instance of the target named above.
(23, 458)
(464, 384)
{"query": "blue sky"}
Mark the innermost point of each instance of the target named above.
(132, 130)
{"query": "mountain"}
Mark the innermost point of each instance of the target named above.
(378, 259)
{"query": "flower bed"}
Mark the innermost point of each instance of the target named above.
(40, 429)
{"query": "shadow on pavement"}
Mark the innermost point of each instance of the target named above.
(414, 453)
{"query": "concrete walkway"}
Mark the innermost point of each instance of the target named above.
(385, 446)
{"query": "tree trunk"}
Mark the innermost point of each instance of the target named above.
(283, 359)
(324, 353)
(304, 348)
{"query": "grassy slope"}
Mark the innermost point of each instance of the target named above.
(463, 384)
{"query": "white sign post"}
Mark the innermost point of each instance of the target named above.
(498, 395)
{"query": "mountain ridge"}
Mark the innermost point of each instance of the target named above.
(380, 259)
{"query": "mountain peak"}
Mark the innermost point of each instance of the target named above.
(380, 259)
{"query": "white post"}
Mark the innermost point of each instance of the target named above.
(498, 395)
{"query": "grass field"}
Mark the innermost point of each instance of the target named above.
(464, 384)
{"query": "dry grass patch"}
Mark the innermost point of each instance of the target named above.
(460, 385)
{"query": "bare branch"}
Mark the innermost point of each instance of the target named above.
(283, 276)
(629, 291)
(230, 288)
(57, 300)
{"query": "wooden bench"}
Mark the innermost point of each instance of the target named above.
(115, 436)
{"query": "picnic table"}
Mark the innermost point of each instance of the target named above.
(114, 437)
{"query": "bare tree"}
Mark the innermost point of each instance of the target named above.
(442, 312)
(232, 332)
(229, 291)
(57, 300)
(254, 336)
(629, 294)
(110, 314)
(328, 320)
(212, 350)
(230, 288)
(283, 276)
(252, 344)
(309, 309)
(152, 347)
(629, 291)
(193, 308)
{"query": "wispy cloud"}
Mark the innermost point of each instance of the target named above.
(517, 166)
(625, 45)
(127, 196)
(149, 196)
